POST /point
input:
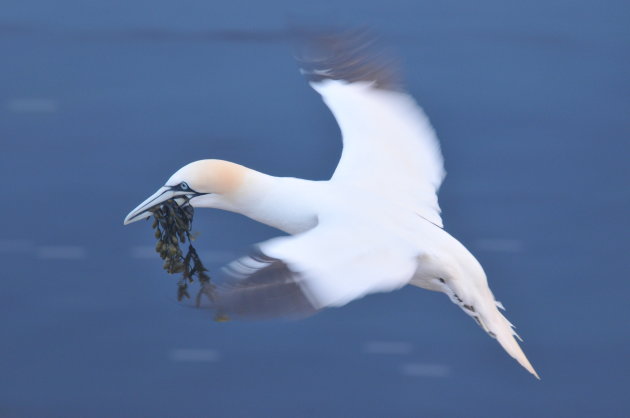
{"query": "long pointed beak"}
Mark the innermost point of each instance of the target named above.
(143, 209)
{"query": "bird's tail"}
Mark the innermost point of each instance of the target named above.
(485, 311)
(498, 326)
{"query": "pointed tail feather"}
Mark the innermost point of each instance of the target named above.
(505, 334)
(485, 311)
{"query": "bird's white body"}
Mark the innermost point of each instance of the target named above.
(294, 206)
(375, 226)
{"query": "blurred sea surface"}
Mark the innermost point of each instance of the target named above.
(101, 101)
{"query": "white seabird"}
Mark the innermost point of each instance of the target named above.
(375, 226)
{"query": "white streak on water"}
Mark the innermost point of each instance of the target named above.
(61, 252)
(387, 347)
(32, 105)
(198, 355)
(500, 245)
(425, 370)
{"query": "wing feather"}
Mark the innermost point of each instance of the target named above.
(330, 265)
(389, 146)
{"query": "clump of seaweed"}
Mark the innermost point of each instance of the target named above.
(173, 225)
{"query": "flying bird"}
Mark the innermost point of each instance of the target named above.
(375, 226)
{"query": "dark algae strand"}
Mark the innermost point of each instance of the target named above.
(173, 224)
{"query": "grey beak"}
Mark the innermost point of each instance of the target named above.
(143, 209)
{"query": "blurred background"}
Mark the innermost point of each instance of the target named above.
(101, 101)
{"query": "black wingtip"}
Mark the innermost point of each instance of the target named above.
(261, 287)
(351, 56)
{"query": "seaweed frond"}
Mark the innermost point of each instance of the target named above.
(173, 224)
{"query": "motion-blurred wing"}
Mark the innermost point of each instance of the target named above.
(329, 265)
(389, 146)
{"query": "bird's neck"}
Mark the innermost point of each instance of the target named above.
(284, 203)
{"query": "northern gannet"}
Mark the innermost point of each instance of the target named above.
(375, 226)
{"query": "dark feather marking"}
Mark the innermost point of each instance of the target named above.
(350, 56)
(477, 321)
(269, 290)
(469, 309)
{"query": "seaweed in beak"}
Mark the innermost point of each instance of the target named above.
(173, 225)
(173, 215)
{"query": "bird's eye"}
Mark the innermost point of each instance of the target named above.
(183, 185)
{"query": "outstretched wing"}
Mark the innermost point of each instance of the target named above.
(329, 265)
(389, 146)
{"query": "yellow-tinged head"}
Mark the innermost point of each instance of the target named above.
(195, 179)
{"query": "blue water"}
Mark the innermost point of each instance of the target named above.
(101, 101)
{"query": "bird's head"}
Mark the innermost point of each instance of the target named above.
(200, 178)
